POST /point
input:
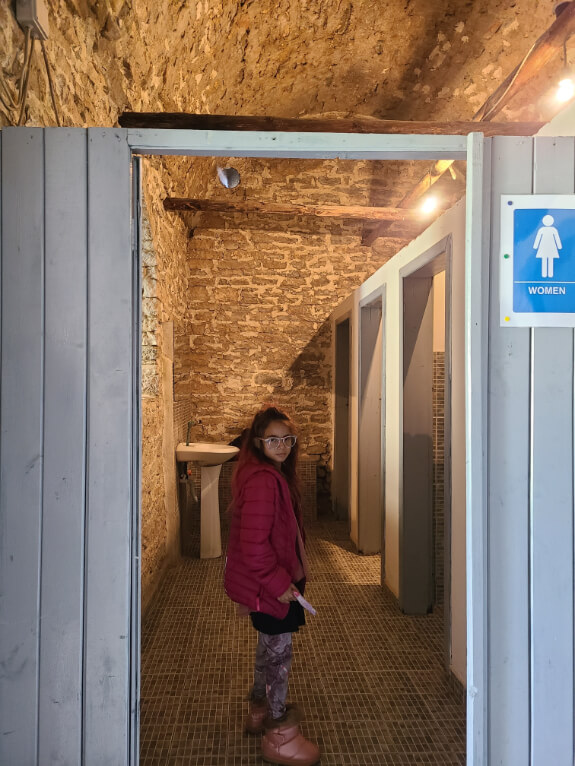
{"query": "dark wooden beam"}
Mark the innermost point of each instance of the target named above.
(390, 214)
(182, 121)
(548, 45)
(545, 48)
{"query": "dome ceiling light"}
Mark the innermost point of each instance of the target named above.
(229, 177)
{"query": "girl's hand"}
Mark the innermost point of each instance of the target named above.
(288, 596)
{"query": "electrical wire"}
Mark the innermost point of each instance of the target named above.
(25, 86)
(50, 83)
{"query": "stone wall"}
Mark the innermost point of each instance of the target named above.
(260, 292)
(408, 60)
(164, 287)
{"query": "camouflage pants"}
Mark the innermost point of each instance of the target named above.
(271, 674)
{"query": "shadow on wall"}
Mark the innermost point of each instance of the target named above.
(309, 377)
(434, 24)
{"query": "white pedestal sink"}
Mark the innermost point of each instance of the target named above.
(210, 458)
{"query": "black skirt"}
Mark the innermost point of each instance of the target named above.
(291, 623)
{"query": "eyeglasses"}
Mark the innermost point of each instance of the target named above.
(273, 442)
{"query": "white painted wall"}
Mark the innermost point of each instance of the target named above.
(452, 224)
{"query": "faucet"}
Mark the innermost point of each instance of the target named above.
(192, 423)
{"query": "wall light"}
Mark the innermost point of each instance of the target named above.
(565, 90)
(566, 87)
(429, 204)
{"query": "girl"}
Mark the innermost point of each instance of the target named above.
(265, 570)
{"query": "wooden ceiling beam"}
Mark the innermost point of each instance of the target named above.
(543, 50)
(389, 214)
(183, 121)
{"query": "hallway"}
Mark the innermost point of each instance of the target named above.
(368, 679)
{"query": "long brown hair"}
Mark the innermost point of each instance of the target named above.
(251, 452)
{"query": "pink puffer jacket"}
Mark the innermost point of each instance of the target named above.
(262, 557)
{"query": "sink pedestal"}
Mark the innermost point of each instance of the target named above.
(210, 458)
(210, 533)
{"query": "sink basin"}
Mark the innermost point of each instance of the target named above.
(205, 453)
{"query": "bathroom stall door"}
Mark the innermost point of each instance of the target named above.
(370, 470)
(341, 456)
(68, 472)
(416, 532)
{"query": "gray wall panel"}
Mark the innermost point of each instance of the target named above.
(370, 500)
(552, 505)
(21, 446)
(508, 488)
(62, 582)
(109, 479)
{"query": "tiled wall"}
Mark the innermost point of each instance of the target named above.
(183, 410)
(438, 472)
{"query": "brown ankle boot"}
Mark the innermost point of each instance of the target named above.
(284, 744)
(255, 720)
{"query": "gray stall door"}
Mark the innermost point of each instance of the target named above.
(66, 471)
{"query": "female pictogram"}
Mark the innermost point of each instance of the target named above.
(547, 243)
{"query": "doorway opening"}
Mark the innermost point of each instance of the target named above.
(425, 518)
(341, 446)
(370, 495)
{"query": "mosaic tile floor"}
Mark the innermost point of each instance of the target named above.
(369, 679)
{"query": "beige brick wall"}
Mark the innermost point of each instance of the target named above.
(164, 288)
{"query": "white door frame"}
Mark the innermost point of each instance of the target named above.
(404, 147)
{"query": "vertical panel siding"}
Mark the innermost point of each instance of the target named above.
(62, 575)
(530, 454)
(508, 487)
(108, 538)
(64, 644)
(21, 440)
(552, 504)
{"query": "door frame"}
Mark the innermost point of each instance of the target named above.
(435, 260)
(475, 149)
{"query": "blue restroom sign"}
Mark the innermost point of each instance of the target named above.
(537, 260)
